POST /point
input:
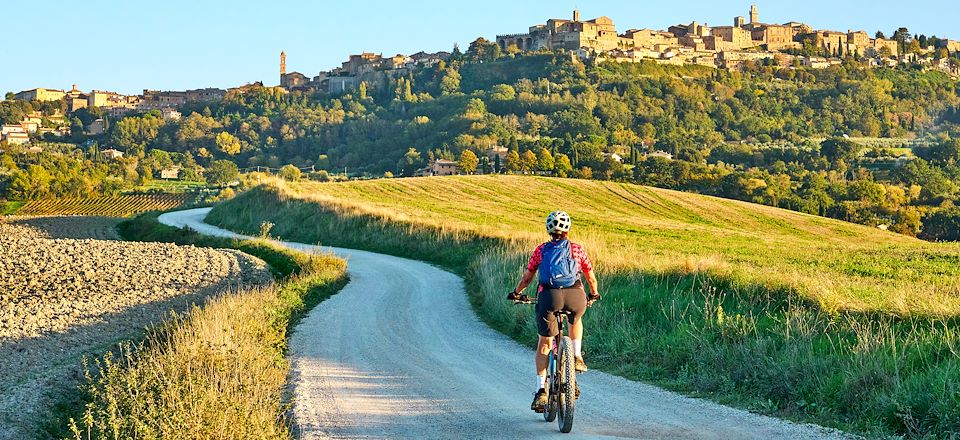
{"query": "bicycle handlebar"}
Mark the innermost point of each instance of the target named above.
(524, 299)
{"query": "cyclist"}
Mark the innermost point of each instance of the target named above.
(560, 264)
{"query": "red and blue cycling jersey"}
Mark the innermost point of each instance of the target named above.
(576, 251)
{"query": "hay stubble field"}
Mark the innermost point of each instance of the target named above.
(63, 297)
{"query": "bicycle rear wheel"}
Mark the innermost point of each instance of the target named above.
(566, 396)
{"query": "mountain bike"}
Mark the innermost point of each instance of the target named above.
(562, 390)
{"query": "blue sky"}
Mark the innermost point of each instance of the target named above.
(127, 46)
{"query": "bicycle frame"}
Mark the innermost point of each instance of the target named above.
(562, 381)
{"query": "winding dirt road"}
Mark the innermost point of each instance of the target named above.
(399, 353)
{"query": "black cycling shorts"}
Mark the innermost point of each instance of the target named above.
(572, 299)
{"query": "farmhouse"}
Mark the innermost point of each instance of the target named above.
(16, 138)
(440, 167)
(112, 154)
(170, 173)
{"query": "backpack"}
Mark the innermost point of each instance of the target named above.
(558, 269)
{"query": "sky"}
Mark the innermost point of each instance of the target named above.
(128, 46)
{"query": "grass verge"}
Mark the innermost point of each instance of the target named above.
(10, 208)
(761, 346)
(216, 372)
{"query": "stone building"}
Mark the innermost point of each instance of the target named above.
(40, 94)
(729, 38)
(598, 34)
(951, 46)
(104, 99)
(880, 43)
(112, 154)
(649, 39)
(859, 40)
(96, 127)
(774, 36)
(157, 100)
(75, 99)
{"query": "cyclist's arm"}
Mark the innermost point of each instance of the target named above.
(525, 281)
(592, 281)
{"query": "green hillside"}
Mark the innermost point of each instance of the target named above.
(777, 311)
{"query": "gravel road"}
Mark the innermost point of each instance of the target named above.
(64, 298)
(399, 353)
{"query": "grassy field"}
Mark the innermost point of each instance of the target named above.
(779, 312)
(172, 186)
(126, 205)
(218, 372)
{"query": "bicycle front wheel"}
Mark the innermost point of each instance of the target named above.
(566, 397)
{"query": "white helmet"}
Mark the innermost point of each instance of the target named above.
(558, 221)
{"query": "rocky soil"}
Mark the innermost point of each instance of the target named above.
(63, 298)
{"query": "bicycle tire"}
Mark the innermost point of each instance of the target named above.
(566, 399)
(550, 412)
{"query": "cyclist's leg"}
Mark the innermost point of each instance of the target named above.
(575, 301)
(548, 301)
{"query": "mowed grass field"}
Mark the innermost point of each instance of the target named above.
(835, 264)
(780, 312)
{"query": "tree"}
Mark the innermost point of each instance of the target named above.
(450, 83)
(907, 221)
(944, 152)
(648, 132)
(837, 149)
(291, 173)
(30, 184)
(221, 172)
(913, 46)
(410, 162)
(468, 161)
(902, 36)
(363, 90)
(503, 92)
(228, 143)
(482, 49)
(880, 35)
(9, 96)
(528, 161)
(323, 162)
(513, 162)
(545, 161)
(942, 225)
(562, 166)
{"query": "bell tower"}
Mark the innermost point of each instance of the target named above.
(754, 14)
(576, 15)
(283, 63)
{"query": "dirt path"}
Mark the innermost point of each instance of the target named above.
(399, 354)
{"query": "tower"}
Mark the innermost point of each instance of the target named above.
(738, 21)
(576, 15)
(754, 14)
(283, 63)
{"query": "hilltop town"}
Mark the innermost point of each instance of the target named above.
(746, 42)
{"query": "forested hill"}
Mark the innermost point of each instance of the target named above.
(754, 135)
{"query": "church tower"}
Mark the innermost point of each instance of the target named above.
(283, 68)
(576, 15)
(754, 14)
